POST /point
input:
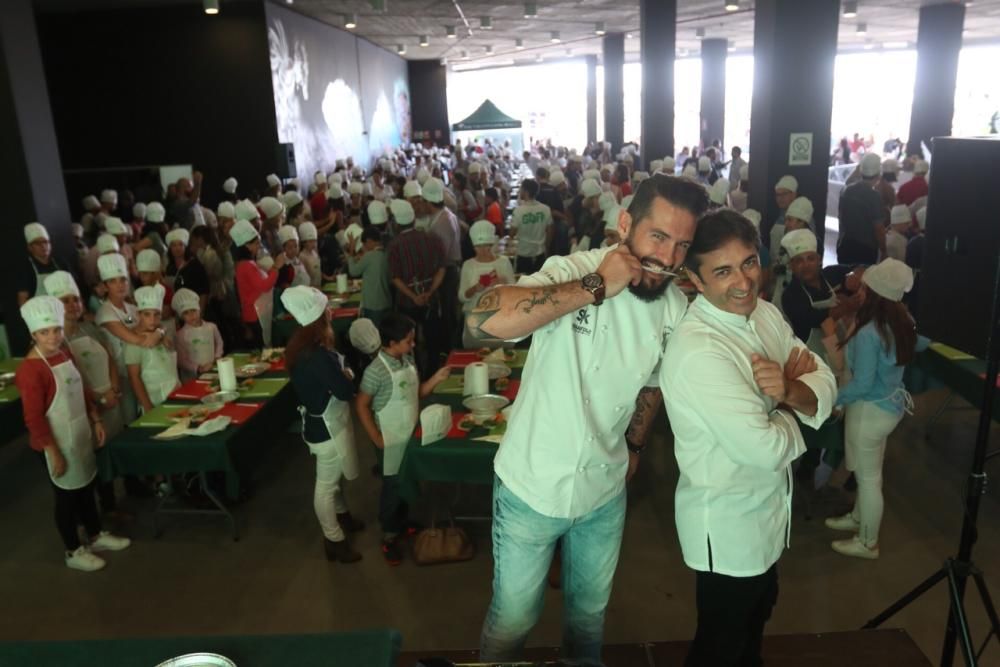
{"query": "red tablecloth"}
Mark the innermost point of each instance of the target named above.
(345, 312)
(192, 390)
(238, 412)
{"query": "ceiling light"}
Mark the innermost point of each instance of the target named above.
(450, 31)
(489, 50)
(211, 7)
(400, 49)
(599, 28)
(530, 10)
(850, 9)
(862, 29)
(519, 44)
(486, 23)
(424, 41)
(732, 5)
(699, 33)
(554, 37)
(289, 2)
(350, 21)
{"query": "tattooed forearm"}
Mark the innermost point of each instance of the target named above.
(537, 298)
(486, 307)
(647, 406)
(509, 312)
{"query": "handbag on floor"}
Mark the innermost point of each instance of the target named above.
(447, 544)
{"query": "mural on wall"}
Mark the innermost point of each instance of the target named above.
(335, 95)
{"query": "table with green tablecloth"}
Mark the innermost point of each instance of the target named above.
(372, 648)
(11, 415)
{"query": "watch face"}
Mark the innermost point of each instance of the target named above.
(593, 281)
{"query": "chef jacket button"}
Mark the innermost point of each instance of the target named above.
(604, 327)
(597, 368)
(618, 408)
(583, 469)
(586, 401)
(604, 465)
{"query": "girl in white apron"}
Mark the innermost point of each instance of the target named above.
(152, 372)
(289, 239)
(199, 342)
(392, 383)
(308, 237)
(324, 385)
(64, 426)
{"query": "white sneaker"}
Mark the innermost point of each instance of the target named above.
(855, 547)
(846, 522)
(108, 542)
(83, 560)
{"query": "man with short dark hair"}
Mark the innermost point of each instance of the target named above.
(862, 217)
(531, 224)
(734, 378)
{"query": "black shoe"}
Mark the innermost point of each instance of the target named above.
(349, 523)
(392, 552)
(340, 552)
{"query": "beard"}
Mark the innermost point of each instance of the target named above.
(642, 291)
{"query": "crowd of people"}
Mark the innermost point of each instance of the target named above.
(635, 286)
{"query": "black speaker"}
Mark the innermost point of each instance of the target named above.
(962, 245)
(284, 160)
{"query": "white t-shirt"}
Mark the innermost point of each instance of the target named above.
(532, 222)
(472, 269)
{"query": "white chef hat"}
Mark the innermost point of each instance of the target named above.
(148, 261)
(799, 241)
(109, 197)
(475, 168)
(890, 278)
(719, 191)
(179, 234)
(242, 233)
(704, 164)
(871, 165)
(411, 189)
(689, 172)
(745, 172)
(273, 180)
(185, 300)
(921, 167)
(377, 213)
(139, 211)
(60, 284)
(611, 216)
(353, 231)
(423, 175)
(271, 207)
(890, 166)
(287, 233)
(357, 171)
(115, 226)
(226, 210)
(607, 200)
(753, 215)
(787, 182)
(90, 203)
(43, 312)
(335, 192)
(245, 210)
(355, 188)
(229, 185)
(155, 212)
(669, 165)
(800, 209)
(589, 187)
(34, 231)
(107, 243)
(150, 298)
(922, 217)
(112, 266)
(593, 174)
(482, 232)
(77, 229)
(364, 336)
(899, 214)
(557, 178)
(319, 178)
(306, 304)
(402, 212)
(656, 165)
(433, 190)
(307, 232)
(291, 199)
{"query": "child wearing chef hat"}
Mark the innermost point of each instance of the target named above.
(152, 371)
(64, 427)
(481, 272)
(199, 342)
(309, 253)
(297, 274)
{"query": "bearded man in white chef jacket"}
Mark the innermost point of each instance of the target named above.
(599, 322)
(734, 379)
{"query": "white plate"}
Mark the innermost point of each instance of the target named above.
(498, 371)
(198, 660)
(250, 370)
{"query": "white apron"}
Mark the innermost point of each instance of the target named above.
(39, 281)
(264, 305)
(301, 274)
(399, 416)
(200, 343)
(67, 417)
(158, 371)
(128, 405)
(93, 360)
(337, 418)
(311, 261)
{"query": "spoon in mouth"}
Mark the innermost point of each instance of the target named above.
(653, 268)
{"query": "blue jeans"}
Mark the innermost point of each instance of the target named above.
(523, 543)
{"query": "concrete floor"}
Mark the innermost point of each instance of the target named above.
(195, 580)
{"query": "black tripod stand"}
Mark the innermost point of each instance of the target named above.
(957, 570)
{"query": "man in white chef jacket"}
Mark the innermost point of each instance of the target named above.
(599, 322)
(734, 378)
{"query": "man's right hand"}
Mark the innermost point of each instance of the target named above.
(619, 269)
(57, 460)
(770, 377)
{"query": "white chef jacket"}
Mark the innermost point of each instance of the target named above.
(564, 450)
(734, 449)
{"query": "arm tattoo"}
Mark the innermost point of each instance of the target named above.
(537, 298)
(486, 307)
(647, 406)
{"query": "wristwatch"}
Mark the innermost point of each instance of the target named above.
(594, 283)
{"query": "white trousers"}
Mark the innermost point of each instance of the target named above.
(328, 499)
(866, 428)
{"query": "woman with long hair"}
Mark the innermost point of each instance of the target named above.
(883, 342)
(254, 285)
(325, 388)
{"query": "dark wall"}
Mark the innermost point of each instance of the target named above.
(429, 98)
(162, 85)
(939, 41)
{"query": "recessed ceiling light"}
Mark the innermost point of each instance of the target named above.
(449, 31)
(850, 9)
(554, 37)
(862, 29)
(530, 10)
(519, 44)
(699, 33)
(732, 5)
(350, 21)
(424, 41)
(400, 49)
(289, 2)
(486, 22)
(599, 28)
(211, 7)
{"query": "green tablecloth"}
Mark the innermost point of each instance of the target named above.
(940, 366)
(374, 648)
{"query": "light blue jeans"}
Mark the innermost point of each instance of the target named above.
(523, 544)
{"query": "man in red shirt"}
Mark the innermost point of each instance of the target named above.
(318, 202)
(916, 187)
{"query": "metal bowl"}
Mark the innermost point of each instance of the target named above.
(220, 397)
(198, 660)
(485, 406)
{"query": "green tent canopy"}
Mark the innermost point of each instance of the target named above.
(487, 117)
